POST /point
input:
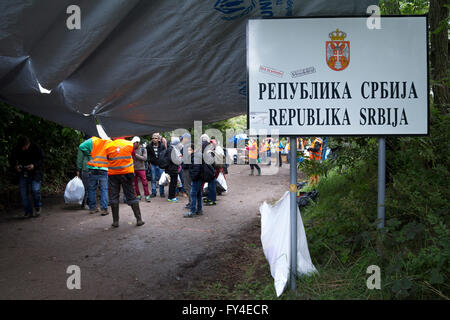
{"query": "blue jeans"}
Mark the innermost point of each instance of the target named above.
(212, 190)
(98, 178)
(156, 175)
(196, 196)
(24, 184)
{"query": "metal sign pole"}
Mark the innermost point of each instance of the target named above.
(293, 198)
(381, 180)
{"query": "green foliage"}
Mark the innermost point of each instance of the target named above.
(408, 7)
(413, 249)
(58, 143)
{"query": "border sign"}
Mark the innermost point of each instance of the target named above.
(333, 76)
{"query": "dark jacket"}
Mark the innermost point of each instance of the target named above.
(33, 155)
(152, 158)
(173, 167)
(195, 169)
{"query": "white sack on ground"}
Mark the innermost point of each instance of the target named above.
(276, 238)
(74, 192)
(221, 180)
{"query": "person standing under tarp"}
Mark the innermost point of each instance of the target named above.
(253, 156)
(83, 174)
(121, 173)
(186, 163)
(94, 148)
(195, 170)
(27, 159)
(210, 200)
(172, 169)
(154, 149)
(139, 158)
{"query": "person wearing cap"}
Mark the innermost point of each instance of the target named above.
(140, 157)
(121, 173)
(154, 149)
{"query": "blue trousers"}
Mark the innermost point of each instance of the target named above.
(212, 190)
(98, 178)
(196, 196)
(25, 183)
(156, 175)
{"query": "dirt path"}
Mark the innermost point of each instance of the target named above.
(150, 262)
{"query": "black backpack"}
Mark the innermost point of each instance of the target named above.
(208, 172)
(164, 158)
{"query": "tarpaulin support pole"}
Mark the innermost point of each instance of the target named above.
(293, 198)
(381, 181)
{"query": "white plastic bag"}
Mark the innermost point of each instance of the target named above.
(221, 180)
(74, 192)
(179, 183)
(164, 180)
(276, 238)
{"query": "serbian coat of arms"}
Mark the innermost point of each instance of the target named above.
(337, 50)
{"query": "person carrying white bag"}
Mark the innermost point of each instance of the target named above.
(74, 193)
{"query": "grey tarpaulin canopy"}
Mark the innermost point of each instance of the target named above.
(139, 66)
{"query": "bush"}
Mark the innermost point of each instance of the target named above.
(413, 249)
(58, 143)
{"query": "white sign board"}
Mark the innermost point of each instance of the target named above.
(335, 76)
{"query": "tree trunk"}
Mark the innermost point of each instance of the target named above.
(439, 54)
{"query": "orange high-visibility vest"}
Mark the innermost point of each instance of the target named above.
(98, 153)
(316, 155)
(119, 157)
(253, 151)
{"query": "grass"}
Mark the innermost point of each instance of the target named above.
(343, 242)
(253, 281)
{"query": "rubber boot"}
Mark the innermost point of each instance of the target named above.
(251, 172)
(115, 214)
(137, 214)
(259, 172)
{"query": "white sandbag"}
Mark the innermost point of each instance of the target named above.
(164, 180)
(221, 180)
(275, 238)
(74, 192)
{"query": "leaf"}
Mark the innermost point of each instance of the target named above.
(405, 284)
(436, 277)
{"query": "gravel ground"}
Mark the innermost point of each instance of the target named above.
(154, 261)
